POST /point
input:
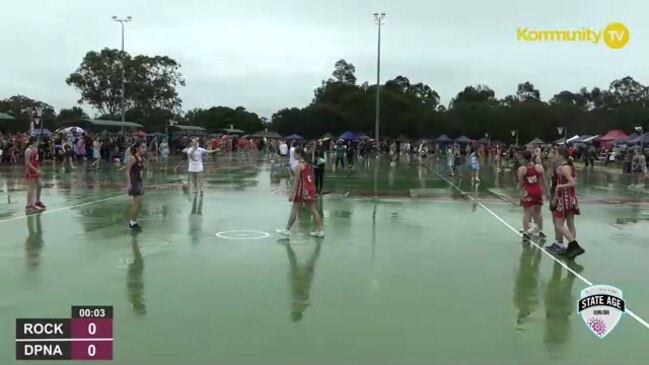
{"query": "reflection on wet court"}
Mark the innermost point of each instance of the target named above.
(416, 267)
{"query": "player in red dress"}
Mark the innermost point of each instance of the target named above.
(33, 175)
(531, 179)
(565, 206)
(303, 192)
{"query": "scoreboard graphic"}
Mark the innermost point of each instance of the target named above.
(87, 335)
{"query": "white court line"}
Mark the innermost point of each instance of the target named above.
(632, 314)
(74, 206)
(63, 208)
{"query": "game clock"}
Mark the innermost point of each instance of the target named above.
(88, 335)
(92, 312)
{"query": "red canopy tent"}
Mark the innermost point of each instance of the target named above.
(611, 136)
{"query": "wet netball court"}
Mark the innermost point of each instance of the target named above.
(415, 268)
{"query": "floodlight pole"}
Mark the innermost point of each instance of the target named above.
(123, 22)
(515, 134)
(378, 19)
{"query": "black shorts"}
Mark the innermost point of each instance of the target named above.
(136, 190)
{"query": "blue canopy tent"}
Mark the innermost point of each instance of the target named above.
(641, 140)
(627, 139)
(293, 137)
(41, 132)
(463, 140)
(443, 139)
(348, 136)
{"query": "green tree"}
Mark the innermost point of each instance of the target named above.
(71, 115)
(221, 117)
(474, 95)
(151, 84)
(526, 92)
(344, 72)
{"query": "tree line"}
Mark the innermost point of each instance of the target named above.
(340, 103)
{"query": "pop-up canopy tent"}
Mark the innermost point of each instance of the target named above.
(443, 139)
(564, 141)
(613, 135)
(293, 137)
(484, 140)
(536, 141)
(348, 136)
(463, 139)
(573, 138)
(584, 139)
(606, 141)
(630, 137)
(41, 132)
(641, 140)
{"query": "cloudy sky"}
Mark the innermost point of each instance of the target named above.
(269, 54)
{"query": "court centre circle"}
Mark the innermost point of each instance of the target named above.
(242, 234)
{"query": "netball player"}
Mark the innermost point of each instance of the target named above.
(531, 179)
(33, 175)
(195, 156)
(303, 192)
(474, 164)
(134, 175)
(566, 206)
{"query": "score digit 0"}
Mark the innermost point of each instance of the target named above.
(92, 350)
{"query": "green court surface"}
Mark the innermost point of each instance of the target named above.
(415, 268)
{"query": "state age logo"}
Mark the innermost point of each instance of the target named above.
(601, 307)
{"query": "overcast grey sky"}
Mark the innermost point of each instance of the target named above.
(269, 54)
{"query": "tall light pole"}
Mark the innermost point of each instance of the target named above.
(640, 130)
(378, 19)
(37, 118)
(515, 134)
(123, 21)
(563, 131)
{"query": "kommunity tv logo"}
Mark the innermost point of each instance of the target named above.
(614, 36)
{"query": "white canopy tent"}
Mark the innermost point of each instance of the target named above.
(575, 137)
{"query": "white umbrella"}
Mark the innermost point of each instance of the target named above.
(75, 130)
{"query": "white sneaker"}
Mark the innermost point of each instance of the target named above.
(318, 234)
(283, 232)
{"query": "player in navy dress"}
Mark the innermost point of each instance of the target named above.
(134, 176)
